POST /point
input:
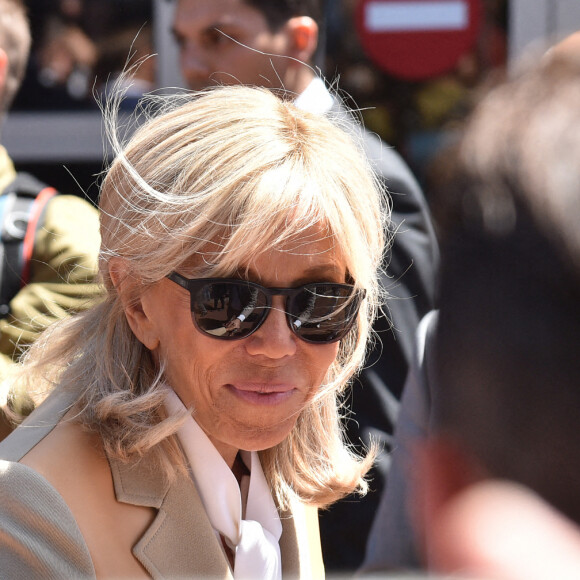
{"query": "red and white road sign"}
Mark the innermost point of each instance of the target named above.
(417, 39)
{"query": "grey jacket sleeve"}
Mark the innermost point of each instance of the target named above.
(392, 544)
(39, 538)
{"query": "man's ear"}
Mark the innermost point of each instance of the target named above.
(3, 70)
(303, 34)
(132, 301)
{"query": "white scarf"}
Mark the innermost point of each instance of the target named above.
(255, 539)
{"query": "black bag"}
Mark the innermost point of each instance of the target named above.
(22, 207)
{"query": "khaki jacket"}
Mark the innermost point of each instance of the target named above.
(63, 270)
(57, 521)
(63, 275)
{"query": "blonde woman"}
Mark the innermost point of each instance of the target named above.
(168, 448)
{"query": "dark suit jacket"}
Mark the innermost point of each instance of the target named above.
(40, 539)
(411, 264)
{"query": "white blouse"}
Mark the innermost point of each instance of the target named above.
(252, 533)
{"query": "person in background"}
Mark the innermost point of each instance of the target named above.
(276, 45)
(62, 233)
(489, 418)
(165, 450)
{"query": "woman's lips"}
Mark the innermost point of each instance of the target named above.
(262, 393)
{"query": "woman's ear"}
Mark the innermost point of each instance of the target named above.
(303, 34)
(141, 324)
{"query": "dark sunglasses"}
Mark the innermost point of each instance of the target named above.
(230, 309)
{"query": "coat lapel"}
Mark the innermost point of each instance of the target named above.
(180, 542)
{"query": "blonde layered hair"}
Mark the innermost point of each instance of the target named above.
(226, 175)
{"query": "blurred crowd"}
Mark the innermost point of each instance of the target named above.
(80, 45)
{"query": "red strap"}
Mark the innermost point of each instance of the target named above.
(28, 244)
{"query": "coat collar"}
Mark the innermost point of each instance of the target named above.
(181, 542)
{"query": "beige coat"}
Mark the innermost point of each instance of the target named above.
(68, 511)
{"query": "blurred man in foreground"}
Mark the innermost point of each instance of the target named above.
(496, 392)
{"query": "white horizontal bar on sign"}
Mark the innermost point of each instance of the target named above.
(416, 16)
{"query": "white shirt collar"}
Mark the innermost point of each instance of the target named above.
(217, 486)
(315, 98)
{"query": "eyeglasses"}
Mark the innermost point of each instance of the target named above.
(230, 309)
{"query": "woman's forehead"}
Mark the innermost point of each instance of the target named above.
(314, 248)
(299, 264)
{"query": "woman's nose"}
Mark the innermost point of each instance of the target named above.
(273, 339)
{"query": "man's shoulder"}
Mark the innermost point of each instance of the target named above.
(72, 215)
(73, 205)
(69, 236)
(385, 160)
(389, 164)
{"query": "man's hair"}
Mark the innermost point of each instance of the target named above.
(508, 342)
(228, 174)
(15, 41)
(278, 12)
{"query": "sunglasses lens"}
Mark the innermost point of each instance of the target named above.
(319, 312)
(323, 312)
(228, 309)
